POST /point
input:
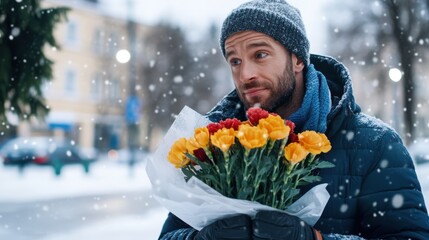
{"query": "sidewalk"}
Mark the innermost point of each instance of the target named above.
(145, 227)
(38, 184)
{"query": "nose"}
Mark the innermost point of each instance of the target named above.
(247, 72)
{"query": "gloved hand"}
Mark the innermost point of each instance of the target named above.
(279, 225)
(235, 227)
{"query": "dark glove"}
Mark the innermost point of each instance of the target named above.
(279, 225)
(235, 227)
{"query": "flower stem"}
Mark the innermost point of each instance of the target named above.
(246, 175)
(228, 169)
(270, 147)
(286, 178)
(210, 156)
(311, 159)
(258, 176)
(275, 174)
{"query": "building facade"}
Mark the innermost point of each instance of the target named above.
(92, 86)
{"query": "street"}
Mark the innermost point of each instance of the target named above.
(41, 219)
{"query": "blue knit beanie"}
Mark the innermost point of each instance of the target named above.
(276, 18)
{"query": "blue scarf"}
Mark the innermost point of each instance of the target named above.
(312, 115)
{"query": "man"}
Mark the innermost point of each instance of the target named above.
(375, 193)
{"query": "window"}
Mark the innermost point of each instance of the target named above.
(112, 44)
(114, 93)
(72, 34)
(98, 41)
(70, 82)
(96, 87)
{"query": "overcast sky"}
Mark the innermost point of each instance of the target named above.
(196, 15)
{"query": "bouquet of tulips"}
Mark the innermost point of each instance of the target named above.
(203, 171)
(261, 159)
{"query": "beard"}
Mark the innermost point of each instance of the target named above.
(281, 95)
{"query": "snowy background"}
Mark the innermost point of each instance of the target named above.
(113, 202)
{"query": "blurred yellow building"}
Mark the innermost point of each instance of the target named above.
(90, 89)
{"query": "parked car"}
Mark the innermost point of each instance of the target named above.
(419, 150)
(41, 151)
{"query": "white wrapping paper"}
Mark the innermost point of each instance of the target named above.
(196, 203)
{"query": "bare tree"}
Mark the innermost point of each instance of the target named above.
(164, 74)
(210, 70)
(410, 24)
(176, 73)
(371, 34)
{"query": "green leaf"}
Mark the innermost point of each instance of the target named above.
(324, 164)
(310, 179)
(188, 173)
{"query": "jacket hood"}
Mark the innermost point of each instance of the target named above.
(339, 82)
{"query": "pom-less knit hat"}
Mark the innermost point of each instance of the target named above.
(276, 18)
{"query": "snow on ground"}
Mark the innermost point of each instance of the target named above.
(40, 183)
(127, 228)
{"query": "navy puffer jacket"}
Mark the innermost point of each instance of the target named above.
(374, 189)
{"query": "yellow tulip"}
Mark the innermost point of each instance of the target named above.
(314, 142)
(200, 140)
(202, 136)
(252, 137)
(275, 126)
(223, 138)
(326, 144)
(176, 155)
(295, 152)
(192, 145)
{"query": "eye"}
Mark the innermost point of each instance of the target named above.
(261, 54)
(234, 61)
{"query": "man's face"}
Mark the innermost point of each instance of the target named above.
(262, 70)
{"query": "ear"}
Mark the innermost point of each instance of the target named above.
(298, 64)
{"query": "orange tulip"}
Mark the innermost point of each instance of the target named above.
(202, 136)
(192, 145)
(200, 140)
(326, 144)
(223, 138)
(275, 126)
(295, 153)
(252, 137)
(314, 142)
(176, 155)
